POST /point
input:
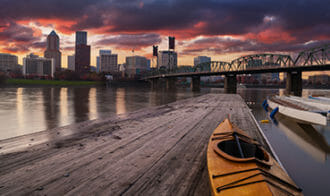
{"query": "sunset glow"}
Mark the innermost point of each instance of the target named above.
(221, 29)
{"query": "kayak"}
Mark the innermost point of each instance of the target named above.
(239, 165)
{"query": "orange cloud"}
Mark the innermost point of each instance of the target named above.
(270, 36)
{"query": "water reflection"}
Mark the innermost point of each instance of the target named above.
(20, 109)
(305, 136)
(81, 103)
(64, 106)
(51, 106)
(93, 114)
(120, 101)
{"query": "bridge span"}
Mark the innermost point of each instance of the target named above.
(314, 59)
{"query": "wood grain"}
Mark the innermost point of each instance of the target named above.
(154, 151)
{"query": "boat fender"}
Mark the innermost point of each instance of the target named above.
(264, 103)
(266, 107)
(274, 111)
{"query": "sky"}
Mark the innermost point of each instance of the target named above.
(221, 29)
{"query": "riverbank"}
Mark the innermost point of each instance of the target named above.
(30, 82)
(157, 150)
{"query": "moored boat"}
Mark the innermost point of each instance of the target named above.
(306, 112)
(239, 165)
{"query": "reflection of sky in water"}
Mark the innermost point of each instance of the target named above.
(27, 110)
(92, 103)
(120, 101)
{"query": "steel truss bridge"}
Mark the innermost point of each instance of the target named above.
(314, 59)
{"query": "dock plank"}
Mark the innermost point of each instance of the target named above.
(154, 151)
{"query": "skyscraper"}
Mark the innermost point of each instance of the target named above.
(53, 49)
(71, 63)
(83, 52)
(81, 37)
(108, 62)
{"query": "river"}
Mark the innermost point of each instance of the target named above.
(303, 150)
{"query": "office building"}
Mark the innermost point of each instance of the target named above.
(82, 52)
(167, 60)
(34, 65)
(201, 59)
(108, 63)
(81, 37)
(136, 66)
(71, 63)
(8, 62)
(53, 49)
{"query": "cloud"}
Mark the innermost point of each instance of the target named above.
(129, 42)
(222, 45)
(263, 24)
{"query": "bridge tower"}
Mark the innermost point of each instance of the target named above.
(294, 83)
(195, 83)
(230, 83)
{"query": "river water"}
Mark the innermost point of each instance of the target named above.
(303, 150)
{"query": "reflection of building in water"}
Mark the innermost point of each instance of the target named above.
(305, 136)
(92, 103)
(65, 116)
(20, 108)
(80, 103)
(120, 101)
(51, 106)
(30, 111)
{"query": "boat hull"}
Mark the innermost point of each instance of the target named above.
(244, 176)
(302, 115)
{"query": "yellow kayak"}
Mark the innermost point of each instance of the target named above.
(238, 165)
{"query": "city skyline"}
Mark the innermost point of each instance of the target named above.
(222, 30)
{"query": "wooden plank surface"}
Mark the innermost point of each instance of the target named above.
(154, 151)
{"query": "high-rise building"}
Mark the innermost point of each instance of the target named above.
(201, 59)
(38, 66)
(71, 63)
(53, 49)
(106, 61)
(167, 60)
(136, 66)
(8, 62)
(81, 37)
(109, 63)
(83, 52)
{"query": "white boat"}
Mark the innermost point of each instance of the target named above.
(299, 110)
(319, 103)
(325, 99)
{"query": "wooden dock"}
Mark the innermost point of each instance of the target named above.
(154, 151)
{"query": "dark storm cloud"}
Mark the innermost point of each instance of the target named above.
(13, 32)
(224, 45)
(136, 41)
(299, 21)
(219, 17)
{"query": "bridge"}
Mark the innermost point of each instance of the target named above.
(314, 59)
